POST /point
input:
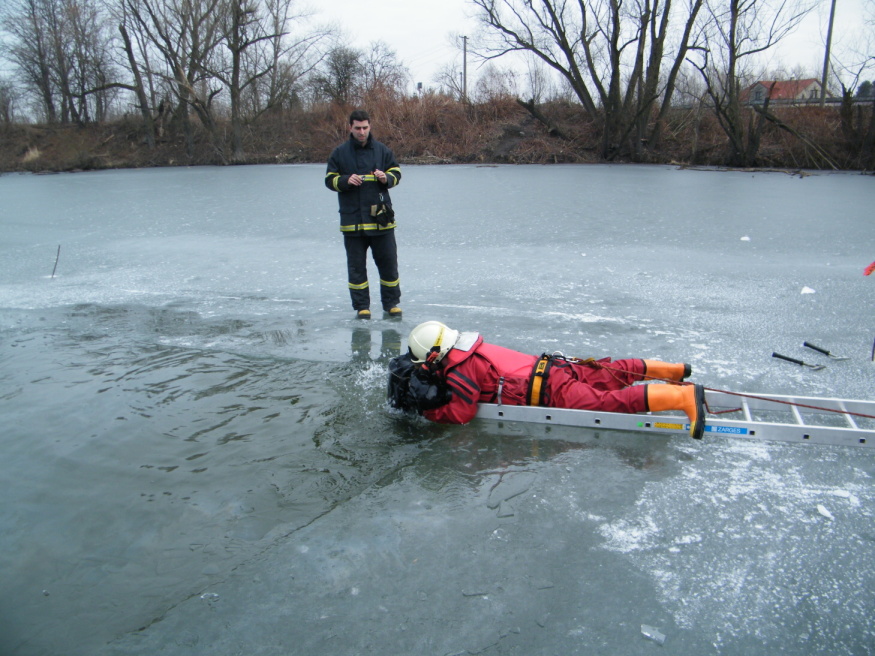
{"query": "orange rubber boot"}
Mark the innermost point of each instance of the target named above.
(667, 371)
(689, 398)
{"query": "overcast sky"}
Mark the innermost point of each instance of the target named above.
(418, 31)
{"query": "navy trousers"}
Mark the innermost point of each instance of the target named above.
(385, 254)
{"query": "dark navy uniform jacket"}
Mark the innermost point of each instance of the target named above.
(355, 202)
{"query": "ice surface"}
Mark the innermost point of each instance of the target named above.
(197, 456)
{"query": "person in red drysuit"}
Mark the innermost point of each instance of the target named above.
(472, 371)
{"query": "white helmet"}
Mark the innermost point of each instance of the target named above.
(429, 335)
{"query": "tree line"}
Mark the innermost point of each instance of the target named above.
(627, 63)
(216, 61)
(223, 67)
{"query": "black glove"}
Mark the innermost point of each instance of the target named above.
(383, 214)
(427, 391)
(400, 370)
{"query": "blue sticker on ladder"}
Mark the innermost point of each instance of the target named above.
(726, 430)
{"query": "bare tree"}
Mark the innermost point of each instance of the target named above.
(611, 54)
(288, 57)
(539, 85)
(209, 48)
(340, 78)
(857, 129)
(737, 31)
(382, 70)
(244, 31)
(187, 34)
(30, 51)
(139, 88)
(494, 83)
(94, 75)
(150, 82)
(8, 99)
(60, 49)
(449, 80)
(853, 60)
(255, 36)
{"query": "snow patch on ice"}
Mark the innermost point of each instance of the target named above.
(585, 318)
(750, 449)
(693, 534)
(853, 499)
(631, 535)
(823, 511)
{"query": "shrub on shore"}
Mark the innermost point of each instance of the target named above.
(437, 129)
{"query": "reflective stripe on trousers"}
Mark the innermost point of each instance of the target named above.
(385, 254)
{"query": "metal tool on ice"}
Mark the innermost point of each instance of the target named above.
(823, 350)
(814, 367)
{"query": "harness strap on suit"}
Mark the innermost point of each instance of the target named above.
(541, 372)
(538, 381)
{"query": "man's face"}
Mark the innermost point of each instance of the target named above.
(360, 130)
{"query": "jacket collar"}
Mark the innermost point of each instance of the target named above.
(357, 144)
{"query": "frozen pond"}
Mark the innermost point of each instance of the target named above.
(197, 457)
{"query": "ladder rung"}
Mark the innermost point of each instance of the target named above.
(848, 418)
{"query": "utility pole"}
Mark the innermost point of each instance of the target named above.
(832, 13)
(465, 68)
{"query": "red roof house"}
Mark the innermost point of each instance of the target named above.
(782, 91)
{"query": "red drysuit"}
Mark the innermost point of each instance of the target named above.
(473, 376)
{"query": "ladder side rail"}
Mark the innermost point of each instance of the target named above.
(668, 424)
(781, 403)
(772, 401)
(860, 407)
(792, 433)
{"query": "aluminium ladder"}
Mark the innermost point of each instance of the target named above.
(768, 417)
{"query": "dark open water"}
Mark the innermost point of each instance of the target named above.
(196, 457)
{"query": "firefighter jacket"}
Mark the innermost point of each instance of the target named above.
(357, 203)
(478, 372)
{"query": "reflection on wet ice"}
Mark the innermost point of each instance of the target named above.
(361, 344)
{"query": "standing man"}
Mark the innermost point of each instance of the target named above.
(361, 171)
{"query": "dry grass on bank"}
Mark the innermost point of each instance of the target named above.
(437, 129)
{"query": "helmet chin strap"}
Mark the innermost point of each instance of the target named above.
(434, 353)
(431, 359)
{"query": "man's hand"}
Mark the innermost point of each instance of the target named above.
(381, 175)
(356, 180)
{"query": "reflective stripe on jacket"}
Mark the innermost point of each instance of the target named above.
(355, 202)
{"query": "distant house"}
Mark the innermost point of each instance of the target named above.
(788, 92)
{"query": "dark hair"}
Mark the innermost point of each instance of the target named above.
(359, 115)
